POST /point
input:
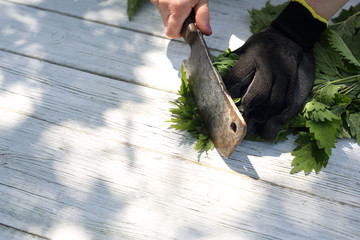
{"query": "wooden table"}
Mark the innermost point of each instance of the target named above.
(86, 151)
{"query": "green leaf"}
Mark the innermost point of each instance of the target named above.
(348, 30)
(236, 100)
(204, 143)
(343, 133)
(325, 115)
(354, 124)
(186, 117)
(327, 93)
(313, 106)
(341, 103)
(260, 19)
(339, 45)
(324, 133)
(346, 13)
(133, 6)
(327, 61)
(355, 105)
(225, 62)
(308, 156)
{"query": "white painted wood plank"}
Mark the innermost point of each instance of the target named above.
(92, 47)
(137, 115)
(229, 19)
(95, 155)
(7, 233)
(109, 51)
(89, 185)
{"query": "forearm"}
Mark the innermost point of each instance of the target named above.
(326, 8)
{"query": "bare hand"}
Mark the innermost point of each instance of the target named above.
(174, 13)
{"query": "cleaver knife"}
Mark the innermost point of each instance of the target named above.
(221, 117)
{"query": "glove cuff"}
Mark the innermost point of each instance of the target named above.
(300, 23)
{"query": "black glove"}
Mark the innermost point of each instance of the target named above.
(275, 73)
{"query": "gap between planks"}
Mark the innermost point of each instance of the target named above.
(91, 20)
(110, 76)
(59, 84)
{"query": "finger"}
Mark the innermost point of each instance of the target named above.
(275, 104)
(174, 22)
(258, 91)
(250, 127)
(240, 75)
(296, 99)
(173, 14)
(202, 17)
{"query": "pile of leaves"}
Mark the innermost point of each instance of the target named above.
(186, 117)
(333, 109)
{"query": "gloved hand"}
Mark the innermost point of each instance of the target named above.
(275, 73)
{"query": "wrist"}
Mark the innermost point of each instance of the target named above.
(298, 23)
(326, 8)
(312, 9)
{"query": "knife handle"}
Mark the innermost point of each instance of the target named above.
(189, 30)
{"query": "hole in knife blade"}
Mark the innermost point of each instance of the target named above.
(233, 127)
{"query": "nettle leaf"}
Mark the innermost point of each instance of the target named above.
(312, 106)
(323, 115)
(344, 133)
(327, 94)
(260, 19)
(308, 156)
(327, 60)
(355, 105)
(318, 111)
(186, 117)
(203, 143)
(225, 62)
(324, 133)
(321, 79)
(348, 30)
(346, 13)
(337, 43)
(341, 103)
(354, 124)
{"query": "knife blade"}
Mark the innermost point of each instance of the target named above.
(221, 117)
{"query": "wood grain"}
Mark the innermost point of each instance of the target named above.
(86, 152)
(148, 20)
(84, 141)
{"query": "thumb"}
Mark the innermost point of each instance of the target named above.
(202, 17)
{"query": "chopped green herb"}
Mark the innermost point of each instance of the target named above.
(186, 117)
